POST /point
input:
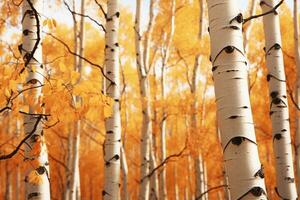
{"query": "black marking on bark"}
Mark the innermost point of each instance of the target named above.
(214, 68)
(245, 107)
(117, 44)
(237, 140)
(210, 59)
(109, 132)
(234, 27)
(289, 179)
(233, 117)
(269, 76)
(283, 130)
(229, 49)
(238, 18)
(105, 193)
(26, 32)
(277, 136)
(274, 94)
(41, 170)
(276, 46)
(255, 191)
(260, 173)
(208, 29)
(264, 49)
(33, 194)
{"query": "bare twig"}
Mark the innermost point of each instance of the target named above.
(209, 190)
(266, 13)
(82, 15)
(15, 151)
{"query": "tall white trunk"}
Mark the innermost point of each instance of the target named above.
(247, 28)
(200, 188)
(78, 48)
(124, 193)
(165, 58)
(153, 180)
(37, 175)
(233, 105)
(142, 56)
(279, 112)
(297, 88)
(112, 144)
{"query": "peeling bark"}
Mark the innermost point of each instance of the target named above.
(279, 112)
(232, 99)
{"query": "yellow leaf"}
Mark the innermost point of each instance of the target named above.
(7, 92)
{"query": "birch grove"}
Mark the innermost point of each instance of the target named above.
(149, 100)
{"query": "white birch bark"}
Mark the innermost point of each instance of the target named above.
(142, 56)
(248, 27)
(112, 144)
(153, 180)
(297, 88)
(165, 58)
(242, 164)
(31, 49)
(279, 112)
(200, 188)
(78, 48)
(124, 193)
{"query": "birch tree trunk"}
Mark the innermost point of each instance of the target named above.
(243, 168)
(112, 144)
(297, 88)
(176, 189)
(166, 54)
(247, 29)
(200, 188)
(124, 193)
(279, 112)
(78, 47)
(142, 59)
(37, 175)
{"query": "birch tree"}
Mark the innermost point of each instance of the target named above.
(37, 176)
(163, 125)
(142, 59)
(243, 168)
(297, 88)
(279, 112)
(112, 144)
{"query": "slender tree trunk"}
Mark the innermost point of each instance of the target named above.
(8, 188)
(37, 175)
(112, 144)
(78, 63)
(233, 104)
(247, 29)
(153, 180)
(200, 188)
(124, 194)
(143, 69)
(297, 88)
(166, 55)
(279, 112)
